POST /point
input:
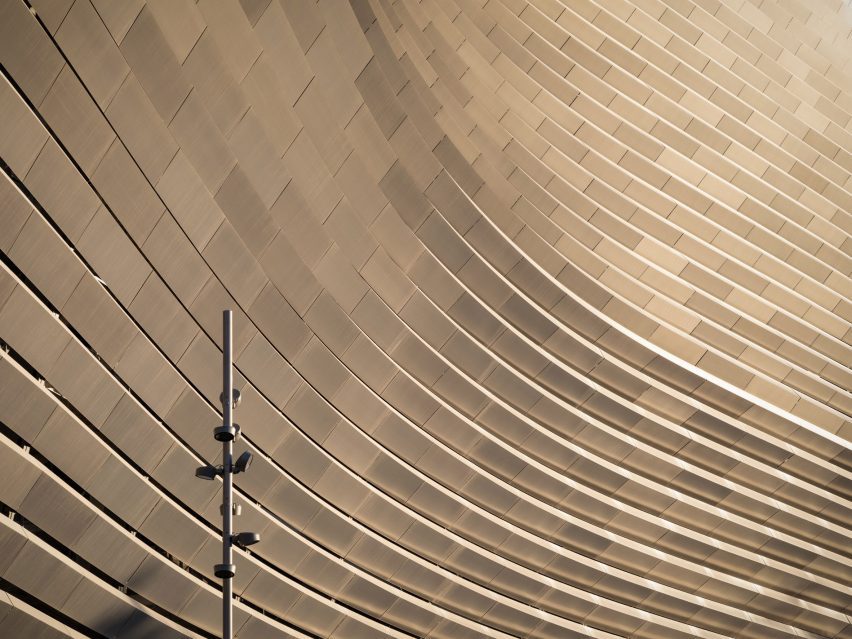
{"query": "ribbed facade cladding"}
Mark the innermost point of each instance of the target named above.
(542, 316)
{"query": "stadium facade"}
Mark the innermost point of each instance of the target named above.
(542, 316)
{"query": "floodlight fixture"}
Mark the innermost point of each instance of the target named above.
(245, 539)
(207, 472)
(243, 463)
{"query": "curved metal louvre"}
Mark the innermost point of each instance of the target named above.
(542, 316)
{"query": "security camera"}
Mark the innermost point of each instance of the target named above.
(226, 433)
(236, 398)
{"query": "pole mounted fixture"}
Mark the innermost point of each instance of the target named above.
(243, 463)
(227, 434)
(244, 539)
(207, 472)
(211, 472)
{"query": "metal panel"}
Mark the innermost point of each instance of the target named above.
(123, 492)
(208, 70)
(175, 259)
(259, 159)
(130, 427)
(189, 201)
(80, 378)
(46, 260)
(113, 256)
(61, 191)
(154, 64)
(36, 570)
(90, 48)
(26, 51)
(202, 142)
(98, 318)
(88, 606)
(71, 447)
(15, 490)
(23, 136)
(170, 529)
(26, 327)
(127, 193)
(181, 24)
(75, 119)
(49, 507)
(109, 548)
(245, 211)
(161, 316)
(159, 580)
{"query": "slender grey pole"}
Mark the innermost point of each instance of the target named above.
(227, 457)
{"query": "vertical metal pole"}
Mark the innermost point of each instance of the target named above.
(227, 456)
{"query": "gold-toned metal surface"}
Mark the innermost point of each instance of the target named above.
(542, 319)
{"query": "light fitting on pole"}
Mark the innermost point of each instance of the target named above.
(245, 539)
(207, 472)
(224, 571)
(226, 433)
(235, 398)
(243, 463)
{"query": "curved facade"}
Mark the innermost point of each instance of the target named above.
(542, 316)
